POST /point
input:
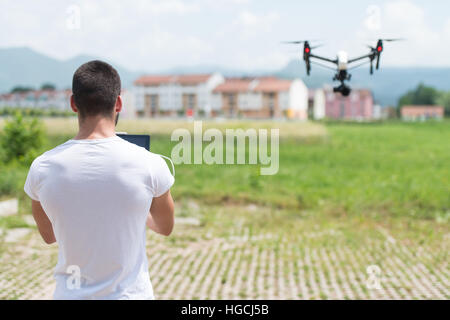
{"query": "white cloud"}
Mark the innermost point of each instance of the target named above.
(159, 34)
(248, 34)
(424, 45)
(264, 60)
(250, 23)
(168, 6)
(447, 28)
(223, 4)
(373, 18)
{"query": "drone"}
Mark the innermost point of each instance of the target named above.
(342, 62)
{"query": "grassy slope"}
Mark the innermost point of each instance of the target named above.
(395, 169)
(399, 169)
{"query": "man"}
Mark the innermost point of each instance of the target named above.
(94, 194)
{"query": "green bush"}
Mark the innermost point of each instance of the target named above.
(36, 112)
(11, 180)
(21, 139)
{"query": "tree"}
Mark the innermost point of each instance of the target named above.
(21, 89)
(444, 100)
(48, 86)
(422, 95)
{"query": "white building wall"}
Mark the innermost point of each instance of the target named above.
(298, 99)
(216, 101)
(129, 106)
(55, 100)
(171, 95)
(377, 112)
(139, 93)
(319, 104)
(283, 100)
(250, 100)
(210, 99)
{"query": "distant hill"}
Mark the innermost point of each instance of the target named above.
(26, 67)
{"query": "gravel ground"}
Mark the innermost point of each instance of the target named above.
(257, 266)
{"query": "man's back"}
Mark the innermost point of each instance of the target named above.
(97, 194)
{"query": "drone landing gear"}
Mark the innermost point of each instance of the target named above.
(342, 88)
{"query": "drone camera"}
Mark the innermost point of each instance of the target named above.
(343, 89)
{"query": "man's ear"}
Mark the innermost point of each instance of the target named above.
(118, 106)
(72, 104)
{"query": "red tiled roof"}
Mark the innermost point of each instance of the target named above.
(193, 78)
(152, 80)
(273, 85)
(234, 85)
(187, 79)
(6, 96)
(261, 84)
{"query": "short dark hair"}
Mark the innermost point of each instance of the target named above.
(95, 87)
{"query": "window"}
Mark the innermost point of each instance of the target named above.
(154, 103)
(271, 101)
(231, 103)
(191, 101)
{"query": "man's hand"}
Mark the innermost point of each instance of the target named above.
(161, 217)
(43, 223)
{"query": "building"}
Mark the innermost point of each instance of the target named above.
(261, 97)
(57, 100)
(377, 112)
(128, 105)
(41, 99)
(389, 112)
(175, 94)
(316, 103)
(359, 105)
(414, 113)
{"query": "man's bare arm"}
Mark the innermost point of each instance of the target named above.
(161, 218)
(43, 223)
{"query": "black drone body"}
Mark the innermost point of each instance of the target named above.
(342, 62)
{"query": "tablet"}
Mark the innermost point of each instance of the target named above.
(142, 140)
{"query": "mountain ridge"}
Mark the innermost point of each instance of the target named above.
(27, 67)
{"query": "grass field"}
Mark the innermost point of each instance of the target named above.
(346, 196)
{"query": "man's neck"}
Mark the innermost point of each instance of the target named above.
(96, 127)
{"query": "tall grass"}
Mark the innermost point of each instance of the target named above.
(395, 169)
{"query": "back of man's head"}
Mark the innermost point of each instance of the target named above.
(95, 87)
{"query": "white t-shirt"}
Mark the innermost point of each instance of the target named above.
(97, 195)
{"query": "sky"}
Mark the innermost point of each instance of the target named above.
(154, 35)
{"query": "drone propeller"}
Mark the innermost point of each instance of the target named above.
(317, 46)
(293, 42)
(299, 41)
(390, 40)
